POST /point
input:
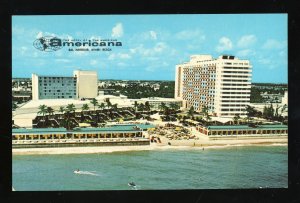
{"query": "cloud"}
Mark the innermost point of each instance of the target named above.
(153, 35)
(274, 44)
(159, 47)
(264, 61)
(62, 60)
(35, 55)
(143, 36)
(225, 44)
(93, 62)
(268, 63)
(245, 52)
(17, 30)
(124, 56)
(23, 50)
(43, 34)
(121, 64)
(246, 41)
(66, 36)
(157, 66)
(97, 38)
(39, 35)
(190, 34)
(282, 54)
(117, 31)
(119, 56)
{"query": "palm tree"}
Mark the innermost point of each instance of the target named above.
(162, 106)
(250, 111)
(94, 102)
(50, 110)
(191, 111)
(141, 107)
(147, 106)
(108, 103)
(85, 107)
(135, 105)
(236, 118)
(101, 106)
(14, 106)
(62, 109)
(174, 106)
(284, 108)
(43, 111)
(115, 107)
(69, 109)
(205, 112)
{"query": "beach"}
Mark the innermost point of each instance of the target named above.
(201, 143)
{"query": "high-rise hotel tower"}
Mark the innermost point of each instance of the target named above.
(222, 84)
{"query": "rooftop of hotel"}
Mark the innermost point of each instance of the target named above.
(159, 99)
(64, 102)
(246, 127)
(54, 76)
(53, 102)
(116, 128)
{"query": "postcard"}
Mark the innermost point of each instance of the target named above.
(149, 102)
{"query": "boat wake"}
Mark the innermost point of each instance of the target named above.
(137, 187)
(92, 173)
(134, 187)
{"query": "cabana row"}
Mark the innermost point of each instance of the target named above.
(58, 134)
(240, 130)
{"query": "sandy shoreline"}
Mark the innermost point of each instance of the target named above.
(175, 144)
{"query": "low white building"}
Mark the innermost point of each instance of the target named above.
(24, 120)
(155, 102)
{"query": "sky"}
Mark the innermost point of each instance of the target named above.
(152, 45)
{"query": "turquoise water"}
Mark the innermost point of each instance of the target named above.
(219, 168)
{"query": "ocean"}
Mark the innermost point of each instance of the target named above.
(211, 168)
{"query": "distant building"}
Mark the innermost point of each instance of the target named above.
(284, 100)
(82, 85)
(155, 102)
(272, 98)
(223, 84)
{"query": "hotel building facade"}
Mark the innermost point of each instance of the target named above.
(223, 84)
(82, 85)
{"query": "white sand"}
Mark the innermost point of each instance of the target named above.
(175, 144)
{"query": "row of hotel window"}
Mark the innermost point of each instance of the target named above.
(206, 68)
(57, 79)
(60, 84)
(239, 109)
(196, 91)
(223, 80)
